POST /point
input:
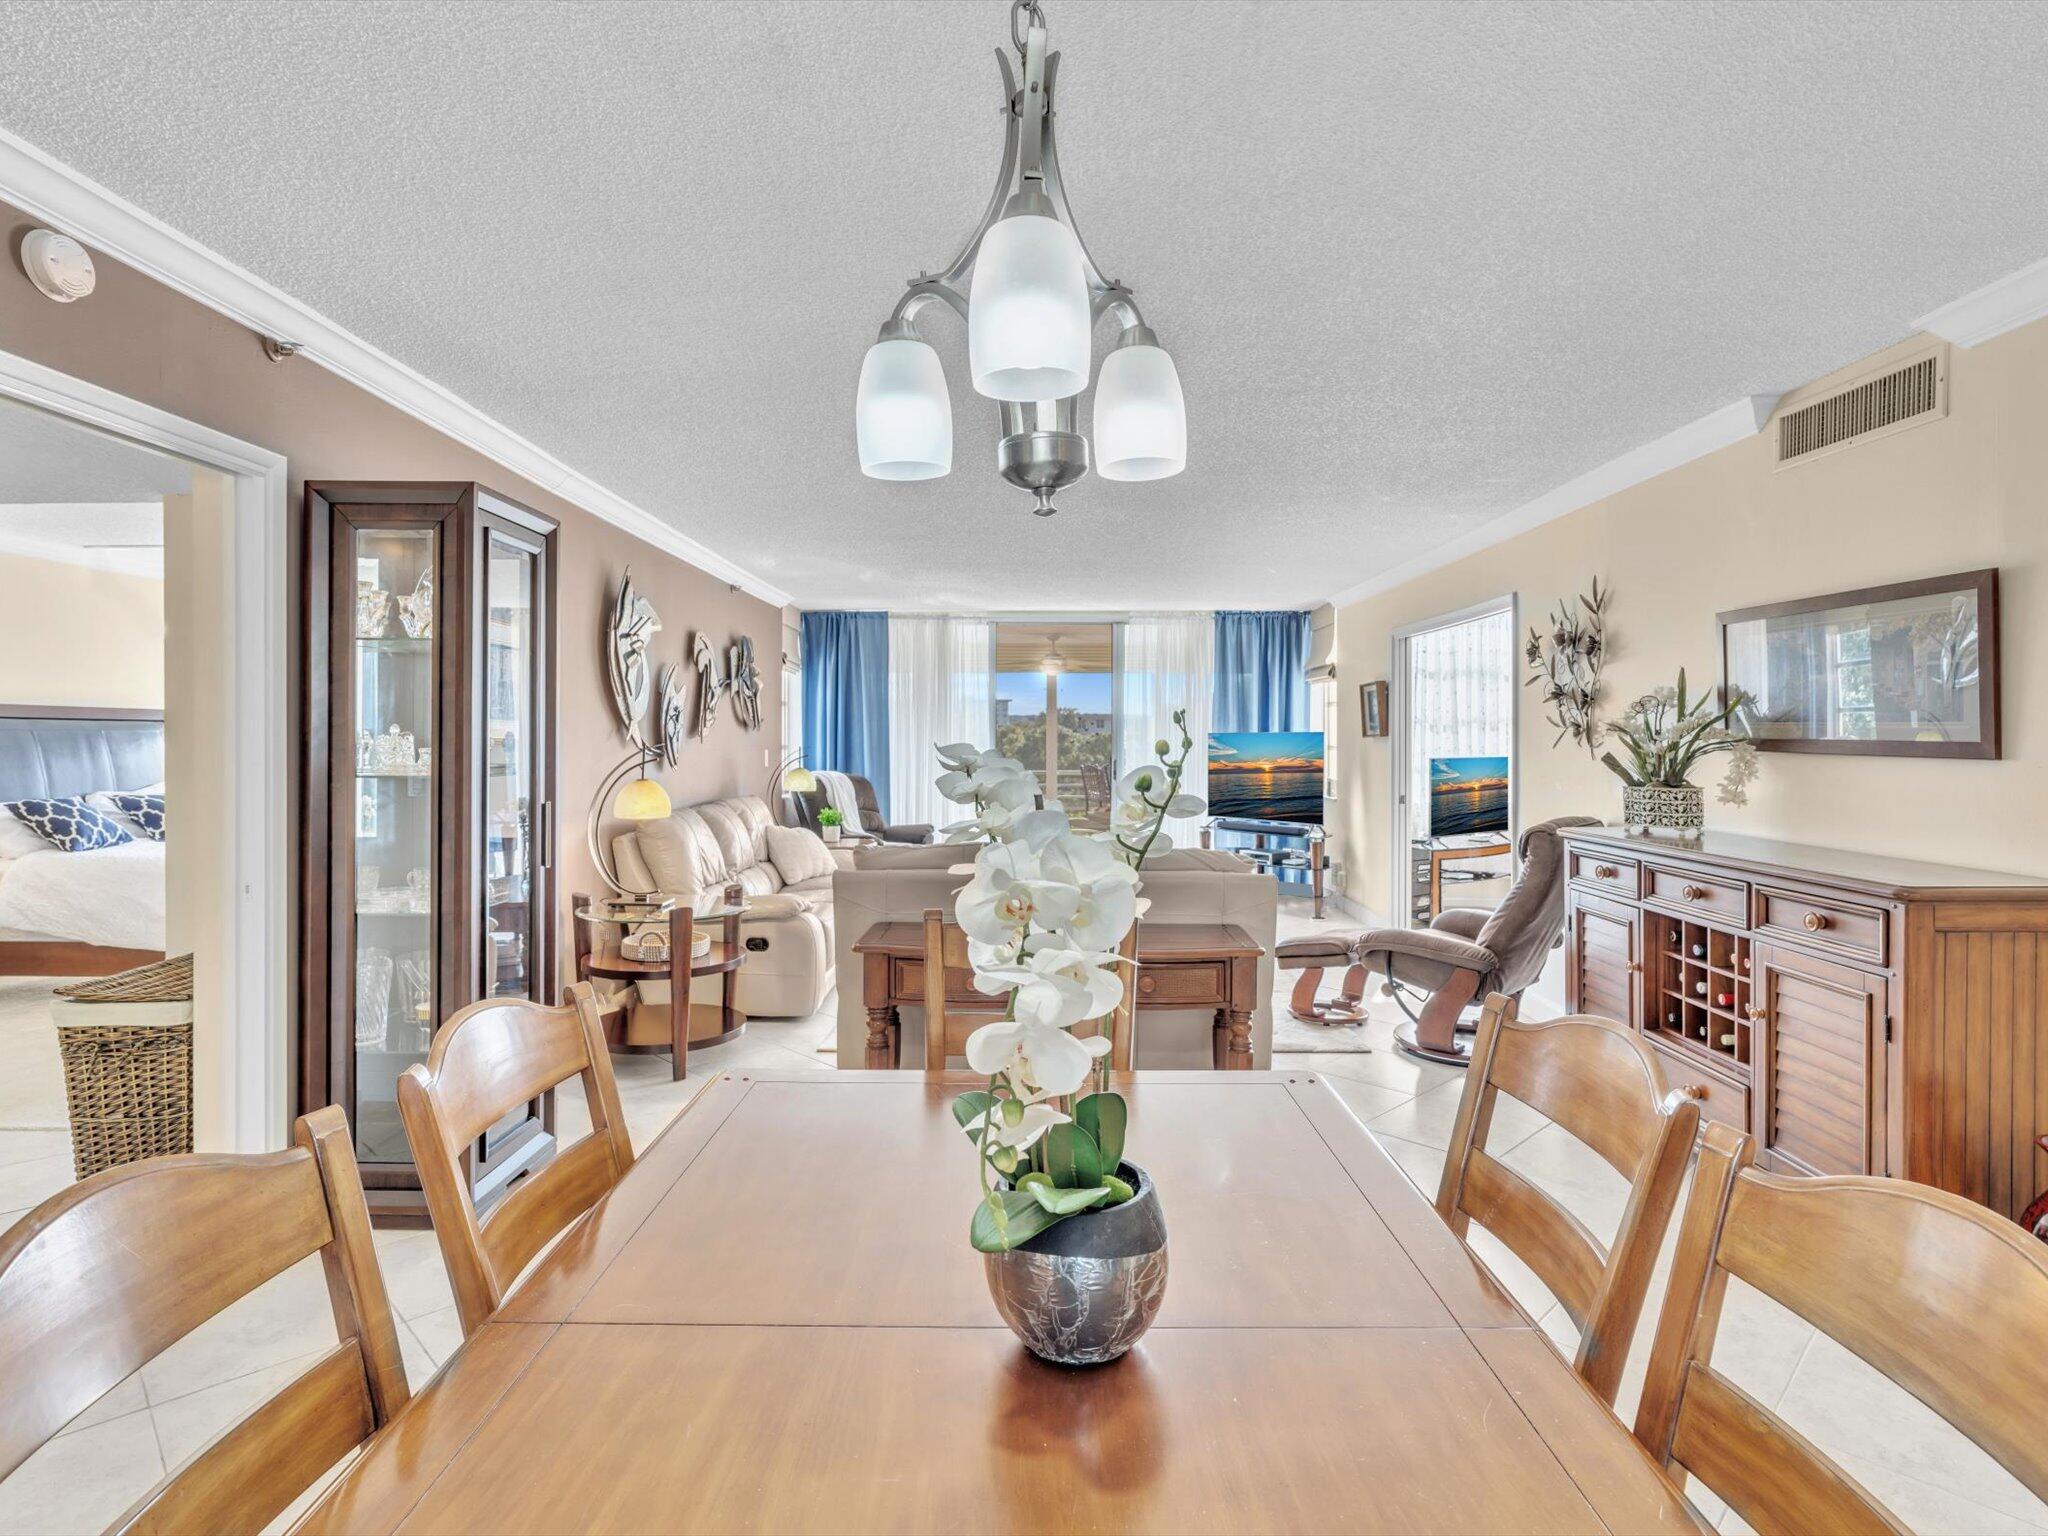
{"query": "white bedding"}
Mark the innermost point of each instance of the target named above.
(110, 896)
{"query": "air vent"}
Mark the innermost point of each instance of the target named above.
(1903, 396)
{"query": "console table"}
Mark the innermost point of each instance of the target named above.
(1180, 965)
(1853, 1013)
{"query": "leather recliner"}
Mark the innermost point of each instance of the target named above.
(1462, 955)
(872, 821)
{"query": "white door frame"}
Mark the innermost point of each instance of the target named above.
(255, 969)
(1399, 740)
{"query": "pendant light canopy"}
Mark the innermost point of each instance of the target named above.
(1030, 294)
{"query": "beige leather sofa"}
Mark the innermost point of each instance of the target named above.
(692, 855)
(1188, 885)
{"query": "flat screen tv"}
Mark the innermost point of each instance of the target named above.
(1267, 775)
(1467, 795)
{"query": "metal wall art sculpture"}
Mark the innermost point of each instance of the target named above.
(634, 626)
(709, 684)
(744, 679)
(1564, 666)
(669, 714)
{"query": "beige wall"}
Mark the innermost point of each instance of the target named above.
(139, 339)
(74, 636)
(1729, 530)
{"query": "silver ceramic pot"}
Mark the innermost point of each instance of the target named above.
(1085, 1290)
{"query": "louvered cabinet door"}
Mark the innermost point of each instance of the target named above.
(1820, 1104)
(1604, 960)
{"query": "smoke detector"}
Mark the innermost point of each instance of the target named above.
(57, 264)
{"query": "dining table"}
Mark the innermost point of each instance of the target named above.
(774, 1322)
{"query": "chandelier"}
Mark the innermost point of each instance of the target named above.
(1030, 294)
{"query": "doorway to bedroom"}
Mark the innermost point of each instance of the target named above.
(92, 719)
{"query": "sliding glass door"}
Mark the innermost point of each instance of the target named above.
(1056, 710)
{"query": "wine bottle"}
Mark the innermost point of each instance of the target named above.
(1728, 1042)
(1699, 951)
(1700, 987)
(1671, 1018)
(1724, 999)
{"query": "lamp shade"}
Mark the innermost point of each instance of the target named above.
(640, 800)
(800, 781)
(1141, 421)
(902, 416)
(1028, 320)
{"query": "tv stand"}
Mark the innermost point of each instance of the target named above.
(1438, 855)
(1309, 857)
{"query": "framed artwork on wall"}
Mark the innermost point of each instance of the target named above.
(1372, 708)
(1905, 670)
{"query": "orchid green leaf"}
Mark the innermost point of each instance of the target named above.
(1072, 1158)
(970, 1109)
(1067, 1202)
(1105, 1117)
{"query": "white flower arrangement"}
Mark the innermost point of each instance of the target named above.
(1044, 915)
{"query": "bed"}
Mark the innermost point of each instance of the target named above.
(80, 914)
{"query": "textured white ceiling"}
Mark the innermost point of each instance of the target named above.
(44, 458)
(1418, 263)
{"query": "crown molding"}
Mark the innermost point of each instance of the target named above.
(53, 192)
(1732, 423)
(1994, 309)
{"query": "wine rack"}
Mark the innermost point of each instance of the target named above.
(1699, 990)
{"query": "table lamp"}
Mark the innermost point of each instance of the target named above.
(637, 799)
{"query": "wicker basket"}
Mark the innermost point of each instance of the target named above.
(128, 1085)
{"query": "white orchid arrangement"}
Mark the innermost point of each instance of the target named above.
(1044, 916)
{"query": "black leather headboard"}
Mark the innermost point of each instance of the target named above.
(75, 756)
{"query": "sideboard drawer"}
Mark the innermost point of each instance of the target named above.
(1679, 889)
(1720, 1099)
(1192, 985)
(1823, 923)
(1605, 872)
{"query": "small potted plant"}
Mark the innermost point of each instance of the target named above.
(1071, 1231)
(829, 822)
(1665, 736)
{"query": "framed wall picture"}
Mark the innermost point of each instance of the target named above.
(1906, 670)
(1372, 708)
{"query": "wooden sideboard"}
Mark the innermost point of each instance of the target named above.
(1854, 1014)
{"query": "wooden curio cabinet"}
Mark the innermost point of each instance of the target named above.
(427, 855)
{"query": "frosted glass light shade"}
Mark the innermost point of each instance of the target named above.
(1028, 320)
(640, 800)
(800, 781)
(1141, 421)
(902, 415)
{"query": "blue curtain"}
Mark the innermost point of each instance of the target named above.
(1261, 671)
(1261, 685)
(846, 695)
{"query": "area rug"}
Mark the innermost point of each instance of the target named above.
(1294, 1038)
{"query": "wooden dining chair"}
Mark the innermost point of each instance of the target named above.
(485, 1062)
(100, 1279)
(947, 1025)
(1937, 1293)
(1598, 1081)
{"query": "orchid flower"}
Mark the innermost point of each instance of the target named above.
(1056, 988)
(1035, 1061)
(1009, 894)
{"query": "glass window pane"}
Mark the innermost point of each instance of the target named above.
(393, 968)
(508, 875)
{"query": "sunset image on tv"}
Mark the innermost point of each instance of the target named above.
(1267, 775)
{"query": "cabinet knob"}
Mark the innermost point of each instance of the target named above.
(1635, 967)
(1815, 922)
(1753, 1011)
(1693, 893)
(1604, 871)
(1147, 983)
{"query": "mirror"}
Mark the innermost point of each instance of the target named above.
(1908, 670)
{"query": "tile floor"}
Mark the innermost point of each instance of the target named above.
(1933, 1479)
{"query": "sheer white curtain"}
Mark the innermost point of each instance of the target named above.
(1461, 700)
(1169, 663)
(940, 691)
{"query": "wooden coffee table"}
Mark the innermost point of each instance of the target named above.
(598, 936)
(1180, 965)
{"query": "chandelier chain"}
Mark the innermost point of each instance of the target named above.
(1024, 8)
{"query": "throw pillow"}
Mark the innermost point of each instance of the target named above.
(798, 854)
(69, 824)
(143, 811)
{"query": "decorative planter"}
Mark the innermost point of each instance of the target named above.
(831, 833)
(1681, 807)
(1085, 1290)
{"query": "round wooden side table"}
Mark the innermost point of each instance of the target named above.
(600, 931)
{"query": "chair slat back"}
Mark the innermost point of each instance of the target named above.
(103, 1277)
(1944, 1298)
(486, 1061)
(947, 1025)
(1599, 1082)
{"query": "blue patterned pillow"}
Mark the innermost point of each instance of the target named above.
(69, 824)
(146, 812)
